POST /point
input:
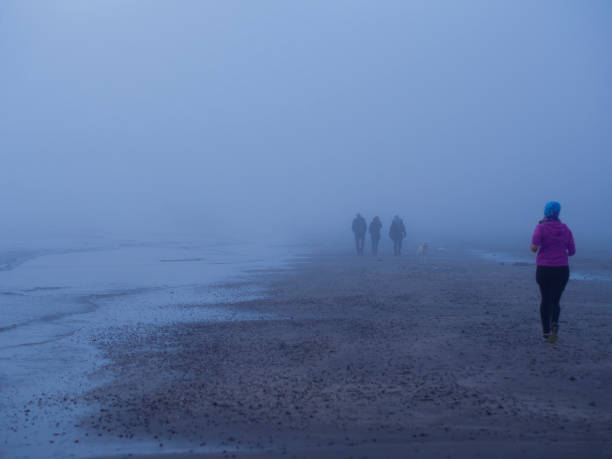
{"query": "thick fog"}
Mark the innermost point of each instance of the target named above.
(283, 119)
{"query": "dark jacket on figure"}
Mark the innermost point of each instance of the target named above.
(375, 227)
(397, 230)
(359, 225)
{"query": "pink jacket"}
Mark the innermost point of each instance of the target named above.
(555, 241)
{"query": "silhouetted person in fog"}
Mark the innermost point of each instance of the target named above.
(397, 232)
(554, 242)
(359, 230)
(375, 227)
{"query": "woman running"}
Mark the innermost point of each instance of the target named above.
(554, 242)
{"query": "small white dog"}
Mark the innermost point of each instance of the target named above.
(421, 252)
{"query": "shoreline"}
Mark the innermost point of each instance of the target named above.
(602, 271)
(369, 352)
(52, 357)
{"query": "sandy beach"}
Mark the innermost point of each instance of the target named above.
(193, 194)
(370, 357)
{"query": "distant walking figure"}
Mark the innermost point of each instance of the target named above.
(554, 242)
(397, 232)
(359, 230)
(375, 227)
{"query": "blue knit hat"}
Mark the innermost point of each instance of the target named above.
(552, 210)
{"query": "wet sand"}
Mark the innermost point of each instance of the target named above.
(371, 357)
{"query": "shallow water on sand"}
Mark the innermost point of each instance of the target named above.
(583, 273)
(54, 303)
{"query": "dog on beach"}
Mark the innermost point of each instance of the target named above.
(421, 252)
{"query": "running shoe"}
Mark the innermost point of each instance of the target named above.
(555, 333)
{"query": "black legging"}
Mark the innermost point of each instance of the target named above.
(397, 247)
(552, 281)
(359, 242)
(375, 240)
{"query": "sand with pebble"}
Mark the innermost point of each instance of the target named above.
(372, 357)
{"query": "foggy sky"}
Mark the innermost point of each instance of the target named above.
(214, 117)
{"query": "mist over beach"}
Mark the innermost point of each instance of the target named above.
(284, 120)
(177, 262)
